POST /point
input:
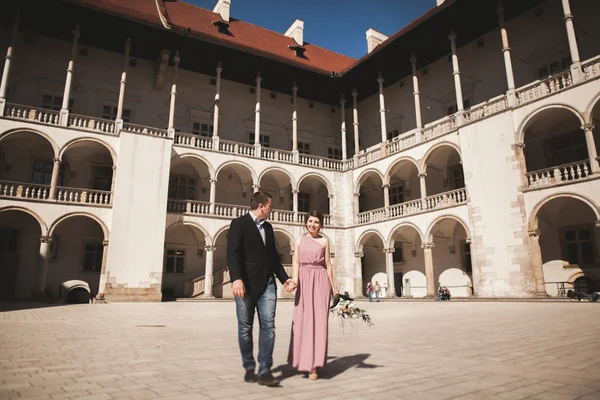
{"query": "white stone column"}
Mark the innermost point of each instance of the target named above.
(103, 273)
(217, 104)
(343, 113)
(54, 179)
(119, 118)
(356, 207)
(417, 96)
(510, 79)
(213, 195)
(457, 84)
(423, 187)
(209, 272)
(386, 195)
(358, 283)
(7, 62)
(40, 280)
(330, 195)
(257, 117)
(575, 61)
(64, 111)
(429, 271)
(591, 147)
(389, 269)
(355, 120)
(295, 204)
(295, 153)
(382, 111)
(536, 261)
(171, 127)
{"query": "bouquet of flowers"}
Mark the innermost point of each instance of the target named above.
(344, 308)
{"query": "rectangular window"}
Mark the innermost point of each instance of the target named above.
(50, 102)
(567, 148)
(334, 153)
(182, 188)
(42, 172)
(110, 113)
(396, 195)
(9, 241)
(205, 130)
(579, 246)
(265, 141)
(398, 255)
(102, 177)
(92, 260)
(303, 148)
(175, 261)
(456, 176)
(454, 108)
(303, 202)
(554, 67)
(393, 134)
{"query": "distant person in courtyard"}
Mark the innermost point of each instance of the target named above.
(377, 289)
(313, 275)
(370, 292)
(253, 261)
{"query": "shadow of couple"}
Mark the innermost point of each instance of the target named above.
(334, 367)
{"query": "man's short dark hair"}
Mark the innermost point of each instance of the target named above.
(259, 198)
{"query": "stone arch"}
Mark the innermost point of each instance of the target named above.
(211, 169)
(429, 237)
(400, 225)
(40, 220)
(363, 174)
(575, 276)
(320, 177)
(51, 142)
(423, 160)
(359, 247)
(295, 186)
(525, 123)
(286, 233)
(219, 233)
(533, 218)
(207, 237)
(388, 172)
(235, 162)
(588, 116)
(108, 147)
(105, 230)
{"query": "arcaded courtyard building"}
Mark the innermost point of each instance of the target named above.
(461, 151)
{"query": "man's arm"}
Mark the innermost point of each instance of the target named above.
(235, 251)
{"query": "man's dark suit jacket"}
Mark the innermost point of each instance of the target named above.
(251, 260)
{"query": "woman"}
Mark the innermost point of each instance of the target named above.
(370, 292)
(313, 274)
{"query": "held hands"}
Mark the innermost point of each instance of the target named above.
(334, 292)
(290, 285)
(238, 289)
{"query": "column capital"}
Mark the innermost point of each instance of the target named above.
(413, 58)
(568, 17)
(385, 186)
(295, 191)
(294, 88)
(213, 180)
(452, 36)
(219, 68)
(45, 239)
(56, 160)
(331, 255)
(380, 78)
(422, 175)
(105, 243)
(587, 127)
(359, 254)
(258, 78)
(597, 223)
(330, 196)
(519, 146)
(391, 250)
(427, 246)
(534, 233)
(468, 240)
(354, 92)
(210, 248)
(342, 100)
(356, 194)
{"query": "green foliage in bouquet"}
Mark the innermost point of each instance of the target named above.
(344, 307)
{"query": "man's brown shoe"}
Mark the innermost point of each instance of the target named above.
(267, 379)
(250, 376)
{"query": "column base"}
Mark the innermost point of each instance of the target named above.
(207, 296)
(429, 296)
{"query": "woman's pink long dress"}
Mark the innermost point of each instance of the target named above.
(308, 345)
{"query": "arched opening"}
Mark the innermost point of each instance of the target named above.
(19, 254)
(404, 182)
(444, 171)
(370, 192)
(373, 262)
(452, 257)
(278, 184)
(313, 194)
(86, 165)
(189, 182)
(595, 120)
(409, 265)
(76, 253)
(221, 280)
(569, 242)
(234, 185)
(184, 261)
(27, 164)
(553, 141)
(284, 244)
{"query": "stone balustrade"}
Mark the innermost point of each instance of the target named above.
(591, 68)
(31, 114)
(540, 89)
(561, 173)
(144, 130)
(198, 142)
(483, 110)
(24, 190)
(92, 124)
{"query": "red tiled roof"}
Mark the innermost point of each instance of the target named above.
(245, 36)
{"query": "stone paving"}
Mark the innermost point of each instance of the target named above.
(414, 351)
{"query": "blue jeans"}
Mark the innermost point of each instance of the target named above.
(371, 297)
(377, 295)
(266, 338)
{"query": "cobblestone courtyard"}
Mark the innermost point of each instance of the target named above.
(414, 351)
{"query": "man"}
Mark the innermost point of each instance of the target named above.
(377, 290)
(253, 260)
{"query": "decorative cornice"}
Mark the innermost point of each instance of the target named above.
(45, 239)
(359, 254)
(422, 175)
(534, 233)
(427, 246)
(588, 127)
(210, 248)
